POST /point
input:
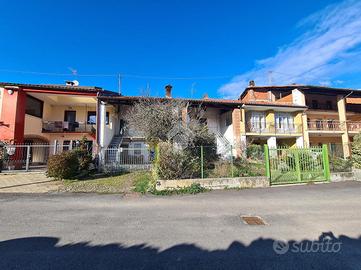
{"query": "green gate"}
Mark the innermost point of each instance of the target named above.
(297, 165)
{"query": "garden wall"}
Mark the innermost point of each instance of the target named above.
(215, 183)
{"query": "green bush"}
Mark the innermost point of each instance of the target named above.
(176, 163)
(194, 188)
(84, 156)
(255, 152)
(63, 166)
(356, 151)
(340, 165)
(143, 183)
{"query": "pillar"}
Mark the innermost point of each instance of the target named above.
(102, 123)
(341, 106)
(12, 115)
(299, 142)
(236, 123)
(272, 142)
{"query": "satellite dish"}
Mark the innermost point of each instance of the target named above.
(75, 83)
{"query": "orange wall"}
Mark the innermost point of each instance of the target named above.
(13, 116)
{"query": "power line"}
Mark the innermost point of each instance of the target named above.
(123, 75)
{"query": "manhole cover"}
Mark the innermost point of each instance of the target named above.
(253, 220)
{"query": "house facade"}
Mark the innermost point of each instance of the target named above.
(58, 115)
(302, 116)
(288, 115)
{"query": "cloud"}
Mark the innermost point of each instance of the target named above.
(328, 48)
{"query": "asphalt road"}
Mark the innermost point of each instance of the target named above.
(90, 231)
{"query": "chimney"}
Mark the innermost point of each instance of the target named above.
(168, 91)
(251, 83)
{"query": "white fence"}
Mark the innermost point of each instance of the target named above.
(29, 156)
(120, 158)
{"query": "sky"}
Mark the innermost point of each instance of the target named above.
(198, 46)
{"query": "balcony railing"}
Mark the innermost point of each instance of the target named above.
(272, 128)
(63, 126)
(354, 126)
(325, 125)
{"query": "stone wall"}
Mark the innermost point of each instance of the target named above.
(215, 183)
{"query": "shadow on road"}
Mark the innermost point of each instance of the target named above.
(45, 253)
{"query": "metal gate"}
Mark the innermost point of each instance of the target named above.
(297, 165)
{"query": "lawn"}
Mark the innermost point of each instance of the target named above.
(122, 183)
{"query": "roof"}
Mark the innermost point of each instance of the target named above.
(59, 87)
(301, 87)
(132, 99)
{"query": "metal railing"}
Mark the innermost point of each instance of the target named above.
(354, 126)
(120, 158)
(272, 128)
(64, 126)
(325, 125)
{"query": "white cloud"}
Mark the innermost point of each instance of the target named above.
(326, 50)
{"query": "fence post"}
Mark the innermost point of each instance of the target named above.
(267, 161)
(27, 157)
(202, 172)
(232, 171)
(297, 165)
(326, 163)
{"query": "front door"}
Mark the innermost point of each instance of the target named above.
(69, 117)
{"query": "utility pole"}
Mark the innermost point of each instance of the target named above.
(119, 84)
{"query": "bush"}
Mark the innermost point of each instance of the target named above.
(84, 156)
(173, 163)
(194, 188)
(63, 166)
(340, 165)
(143, 183)
(255, 151)
(356, 151)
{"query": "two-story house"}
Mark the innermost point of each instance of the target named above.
(56, 115)
(302, 116)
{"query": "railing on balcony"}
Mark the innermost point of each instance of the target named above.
(63, 126)
(325, 125)
(354, 126)
(272, 128)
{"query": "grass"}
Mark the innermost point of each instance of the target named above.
(121, 183)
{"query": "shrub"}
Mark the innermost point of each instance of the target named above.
(176, 163)
(194, 188)
(340, 165)
(255, 151)
(356, 151)
(84, 156)
(63, 166)
(142, 183)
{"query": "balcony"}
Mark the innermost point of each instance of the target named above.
(325, 125)
(67, 127)
(271, 128)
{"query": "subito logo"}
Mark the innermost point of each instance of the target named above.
(280, 247)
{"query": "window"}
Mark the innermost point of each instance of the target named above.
(329, 105)
(284, 121)
(137, 149)
(92, 118)
(228, 119)
(314, 104)
(34, 106)
(257, 122)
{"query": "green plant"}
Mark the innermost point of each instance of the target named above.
(194, 188)
(84, 156)
(142, 183)
(356, 151)
(63, 166)
(340, 165)
(255, 152)
(173, 163)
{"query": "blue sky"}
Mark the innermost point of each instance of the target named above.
(215, 46)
